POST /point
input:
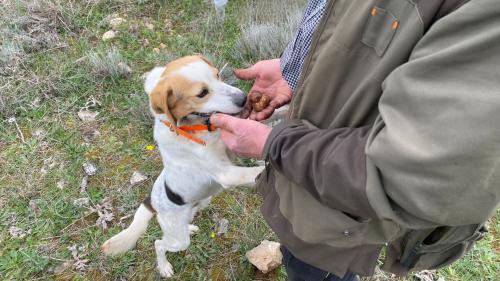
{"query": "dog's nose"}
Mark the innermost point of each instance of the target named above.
(240, 100)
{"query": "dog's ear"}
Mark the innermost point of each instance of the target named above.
(162, 101)
(205, 59)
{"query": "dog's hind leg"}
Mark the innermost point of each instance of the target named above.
(175, 227)
(126, 239)
(238, 176)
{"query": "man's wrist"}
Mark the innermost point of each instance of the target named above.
(274, 132)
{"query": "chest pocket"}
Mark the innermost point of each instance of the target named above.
(380, 29)
(372, 26)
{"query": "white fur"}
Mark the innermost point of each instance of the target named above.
(193, 171)
(152, 78)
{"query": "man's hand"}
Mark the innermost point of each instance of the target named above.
(269, 81)
(242, 136)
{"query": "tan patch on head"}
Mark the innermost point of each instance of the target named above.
(177, 97)
(177, 64)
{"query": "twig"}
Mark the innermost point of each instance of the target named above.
(13, 120)
(224, 67)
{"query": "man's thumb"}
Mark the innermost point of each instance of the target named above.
(246, 74)
(221, 121)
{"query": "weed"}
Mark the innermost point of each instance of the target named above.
(267, 28)
(109, 64)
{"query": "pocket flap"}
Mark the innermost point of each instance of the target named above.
(380, 30)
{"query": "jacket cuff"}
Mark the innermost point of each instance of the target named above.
(274, 133)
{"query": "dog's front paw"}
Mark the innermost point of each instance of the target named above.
(193, 229)
(166, 270)
(117, 244)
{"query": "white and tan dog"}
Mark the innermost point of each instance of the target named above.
(184, 93)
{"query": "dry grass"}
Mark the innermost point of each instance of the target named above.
(108, 64)
(267, 28)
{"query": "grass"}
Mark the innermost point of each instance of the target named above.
(53, 64)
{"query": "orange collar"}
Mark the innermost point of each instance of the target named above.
(183, 130)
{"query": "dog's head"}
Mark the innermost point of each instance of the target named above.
(190, 85)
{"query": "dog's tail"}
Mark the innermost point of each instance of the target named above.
(127, 239)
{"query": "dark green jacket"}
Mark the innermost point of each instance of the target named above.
(393, 136)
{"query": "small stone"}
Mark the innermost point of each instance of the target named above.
(124, 68)
(115, 22)
(156, 50)
(33, 205)
(266, 257)
(137, 177)
(222, 227)
(18, 233)
(39, 133)
(60, 184)
(87, 115)
(145, 42)
(425, 275)
(83, 202)
(149, 26)
(133, 27)
(89, 168)
(108, 35)
(162, 46)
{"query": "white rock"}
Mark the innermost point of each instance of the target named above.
(137, 177)
(89, 168)
(149, 26)
(115, 22)
(18, 233)
(266, 257)
(222, 226)
(60, 184)
(87, 115)
(108, 35)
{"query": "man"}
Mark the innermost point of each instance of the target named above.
(391, 138)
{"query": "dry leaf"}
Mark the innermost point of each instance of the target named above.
(18, 233)
(84, 183)
(137, 177)
(115, 22)
(108, 35)
(104, 212)
(87, 115)
(83, 202)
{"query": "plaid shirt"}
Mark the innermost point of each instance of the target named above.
(297, 50)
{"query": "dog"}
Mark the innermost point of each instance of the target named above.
(195, 164)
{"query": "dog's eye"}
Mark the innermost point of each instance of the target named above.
(203, 93)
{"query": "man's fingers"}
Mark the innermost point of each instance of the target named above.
(279, 101)
(265, 113)
(246, 74)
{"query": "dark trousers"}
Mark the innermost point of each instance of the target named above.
(298, 270)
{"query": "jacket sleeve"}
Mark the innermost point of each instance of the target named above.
(433, 155)
(329, 163)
